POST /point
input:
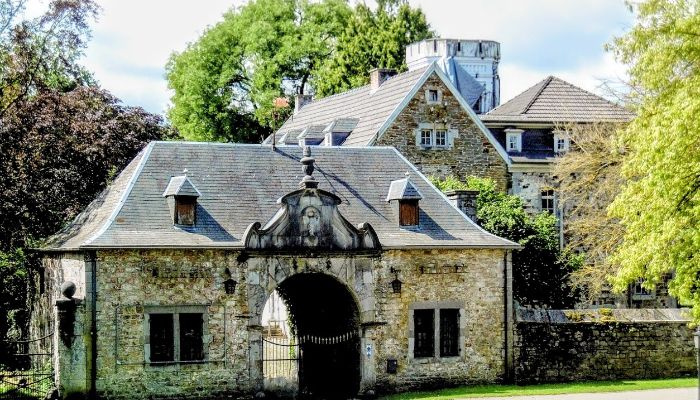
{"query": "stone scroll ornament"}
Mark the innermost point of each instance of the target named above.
(308, 219)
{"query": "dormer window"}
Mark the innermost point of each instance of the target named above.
(404, 196)
(514, 141)
(182, 195)
(561, 142)
(433, 96)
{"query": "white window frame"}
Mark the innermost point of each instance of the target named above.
(426, 138)
(514, 140)
(431, 101)
(561, 136)
(440, 137)
(435, 131)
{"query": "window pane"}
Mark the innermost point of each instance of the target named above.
(426, 137)
(424, 330)
(449, 332)
(440, 138)
(161, 337)
(191, 332)
(433, 95)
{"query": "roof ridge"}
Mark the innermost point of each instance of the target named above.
(545, 82)
(515, 97)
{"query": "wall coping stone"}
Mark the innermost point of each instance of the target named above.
(601, 315)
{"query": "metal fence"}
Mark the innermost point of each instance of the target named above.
(280, 358)
(28, 371)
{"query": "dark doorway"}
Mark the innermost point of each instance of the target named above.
(325, 318)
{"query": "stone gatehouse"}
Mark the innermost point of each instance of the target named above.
(159, 286)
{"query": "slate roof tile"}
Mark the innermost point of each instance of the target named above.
(362, 107)
(240, 184)
(555, 100)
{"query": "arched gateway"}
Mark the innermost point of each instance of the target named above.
(172, 273)
(319, 290)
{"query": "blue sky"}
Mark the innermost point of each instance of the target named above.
(133, 38)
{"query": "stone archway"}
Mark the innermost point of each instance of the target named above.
(325, 317)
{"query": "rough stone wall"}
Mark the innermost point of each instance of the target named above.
(471, 154)
(129, 281)
(471, 279)
(529, 185)
(606, 349)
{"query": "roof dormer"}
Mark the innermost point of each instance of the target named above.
(182, 196)
(404, 196)
(514, 140)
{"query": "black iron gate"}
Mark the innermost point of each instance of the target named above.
(280, 358)
(28, 371)
(315, 365)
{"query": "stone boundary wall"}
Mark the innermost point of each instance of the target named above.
(603, 344)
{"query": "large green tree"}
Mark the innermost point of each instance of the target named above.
(224, 83)
(370, 40)
(659, 206)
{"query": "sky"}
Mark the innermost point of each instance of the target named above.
(132, 40)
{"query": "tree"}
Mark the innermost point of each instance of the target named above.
(224, 84)
(42, 53)
(371, 40)
(540, 269)
(659, 206)
(62, 140)
(588, 179)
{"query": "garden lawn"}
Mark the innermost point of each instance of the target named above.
(551, 388)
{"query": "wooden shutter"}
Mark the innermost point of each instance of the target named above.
(408, 212)
(185, 210)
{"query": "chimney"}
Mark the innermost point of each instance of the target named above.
(377, 76)
(465, 200)
(300, 100)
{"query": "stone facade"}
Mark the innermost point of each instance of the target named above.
(602, 345)
(529, 186)
(130, 282)
(470, 153)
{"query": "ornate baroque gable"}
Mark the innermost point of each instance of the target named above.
(309, 220)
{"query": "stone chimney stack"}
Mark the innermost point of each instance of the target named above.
(300, 100)
(377, 76)
(465, 200)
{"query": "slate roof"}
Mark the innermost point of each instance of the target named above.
(240, 184)
(369, 108)
(555, 100)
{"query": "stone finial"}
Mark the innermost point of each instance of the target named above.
(308, 181)
(68, 289)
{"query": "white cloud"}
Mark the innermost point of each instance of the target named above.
(593, 77)
(133, 39)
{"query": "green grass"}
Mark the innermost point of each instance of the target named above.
(551, 388)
